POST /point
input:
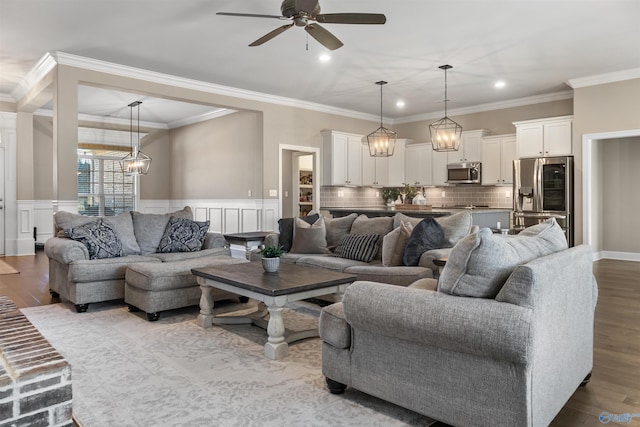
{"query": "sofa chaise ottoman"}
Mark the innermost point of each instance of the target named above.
(153, 287)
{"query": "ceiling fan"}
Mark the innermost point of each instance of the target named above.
(302, 13)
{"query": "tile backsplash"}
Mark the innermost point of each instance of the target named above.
(363, 197)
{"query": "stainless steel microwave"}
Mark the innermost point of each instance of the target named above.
(464, 173)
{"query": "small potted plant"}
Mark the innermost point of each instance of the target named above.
(271, 258)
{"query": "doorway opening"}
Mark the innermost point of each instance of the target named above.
(299, 181)
(608, 194)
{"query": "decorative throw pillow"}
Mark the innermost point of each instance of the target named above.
(455, 227)
(309, 238)
(393, 244)
(122, 224)
(99, 238)
(183, 235)
(338, 227)
(285, 225)
(358, 247)
(149, 228)
(380, 225)
(480, 264)
(425, 236)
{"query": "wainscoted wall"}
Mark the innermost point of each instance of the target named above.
(225, 216)
(345, 197)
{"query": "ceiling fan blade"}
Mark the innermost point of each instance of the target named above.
(251, 15)
(271, 35)
(351, 18)
(323, 36)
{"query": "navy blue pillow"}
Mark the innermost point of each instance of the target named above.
(426, 235)
(286, 230)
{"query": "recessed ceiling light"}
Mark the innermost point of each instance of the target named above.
(400, 104)
(325, 57)
(499, 84)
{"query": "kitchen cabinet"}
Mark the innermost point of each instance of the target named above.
(418, 164)
(396, 166)
(342, 158)
(498, 154)
(439, 162)
(470, 147)
(375, 170)
(544, 137)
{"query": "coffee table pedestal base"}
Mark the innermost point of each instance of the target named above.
(277, 346)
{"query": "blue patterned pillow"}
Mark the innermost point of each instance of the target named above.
(183, 235)
(100, 239)
(359, 247)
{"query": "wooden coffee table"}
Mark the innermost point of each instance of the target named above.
(291, 283)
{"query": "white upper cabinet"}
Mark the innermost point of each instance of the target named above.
(342, 158)
(396, 164)
(375, 170)
(439, 162)
(498, 154)
(544, 137)
(418, 164)
(470, 147)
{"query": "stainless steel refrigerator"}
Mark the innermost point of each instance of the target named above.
(542, 189)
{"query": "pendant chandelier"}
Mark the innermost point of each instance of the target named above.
(138, 163)
(445, 133)
(382, 141)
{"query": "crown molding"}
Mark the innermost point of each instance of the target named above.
(37, 73)
(106, 136)
(518, 102)
(170, 80)
(616, 76)
(201, 118)
(104, 120)
(48, 62)
(7, 98)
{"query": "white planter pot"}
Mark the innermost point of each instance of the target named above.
(270, 265)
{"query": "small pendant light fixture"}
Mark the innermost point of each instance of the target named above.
(445, 133)
(382, 141)
(139, 163)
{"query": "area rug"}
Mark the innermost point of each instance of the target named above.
(127, 371)
(6, 268)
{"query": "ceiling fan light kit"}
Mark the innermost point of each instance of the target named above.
(138, 163)
(302, 13)
(382, 141)
(445, 133)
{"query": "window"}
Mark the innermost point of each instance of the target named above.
(102, 187)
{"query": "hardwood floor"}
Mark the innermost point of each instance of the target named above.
(614, 386)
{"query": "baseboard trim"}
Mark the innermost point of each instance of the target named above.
(620, 256)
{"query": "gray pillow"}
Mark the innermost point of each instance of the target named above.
(64, 221)
(338, 227)
(285, 226)
(380, 225)
(455, 227)
(359, 247)
(99, 238)
(149, 228)
(122, 224)
(480, 264)
(309, 238)
(425, 236)
(183, 235)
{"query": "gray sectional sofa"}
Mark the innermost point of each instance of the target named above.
(454, 227)
(504, 340)
(158, 280)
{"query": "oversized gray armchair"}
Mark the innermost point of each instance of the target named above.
(513, 359)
